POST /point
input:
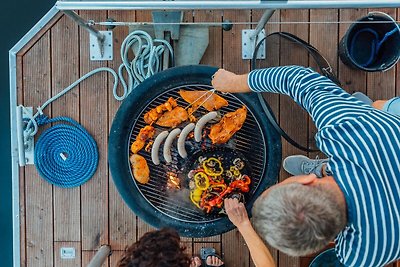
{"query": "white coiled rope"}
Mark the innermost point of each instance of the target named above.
(146, 62)
(147, 59)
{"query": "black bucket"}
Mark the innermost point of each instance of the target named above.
(372, 44)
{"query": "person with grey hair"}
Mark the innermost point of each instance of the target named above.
(353, 196)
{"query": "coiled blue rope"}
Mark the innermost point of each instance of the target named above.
(66, 155)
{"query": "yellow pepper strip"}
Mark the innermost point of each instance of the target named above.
(213, 162)
(201, 180)
(195, 197)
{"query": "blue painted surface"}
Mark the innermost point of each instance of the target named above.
(17, 18)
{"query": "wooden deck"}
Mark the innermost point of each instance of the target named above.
(95, 214)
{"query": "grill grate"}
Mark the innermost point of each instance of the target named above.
(175, 203)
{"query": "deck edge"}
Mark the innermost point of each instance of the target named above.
(13, 128)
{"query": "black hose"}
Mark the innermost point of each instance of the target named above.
(268, 111)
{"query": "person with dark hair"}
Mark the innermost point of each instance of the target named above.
(162, 248)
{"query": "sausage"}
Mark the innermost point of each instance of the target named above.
(156, 146)
(182, 138)
(201, 123)
(168, 144)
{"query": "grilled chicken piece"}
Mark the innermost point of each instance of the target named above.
(196, 98)
(221, 132)
(140, 168)
(155, 113)
(173, 118)
(145, 133)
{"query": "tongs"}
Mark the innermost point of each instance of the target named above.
(199, 98)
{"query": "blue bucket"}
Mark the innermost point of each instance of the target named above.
(326, 259)
(372, 43)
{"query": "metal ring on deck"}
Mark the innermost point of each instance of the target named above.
(66, 155)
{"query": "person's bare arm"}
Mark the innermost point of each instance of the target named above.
(226, 81)
(258, 250)
(327, 103)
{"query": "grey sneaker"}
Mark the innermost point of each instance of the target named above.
(362, 97)
(302, 165)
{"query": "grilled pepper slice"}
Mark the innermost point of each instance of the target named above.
(213, 167)
(201, 180)
(195, 196)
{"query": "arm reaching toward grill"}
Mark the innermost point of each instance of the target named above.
(226, 81)
(258, 250)
(325, 101)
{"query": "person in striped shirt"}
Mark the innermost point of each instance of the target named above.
(357, 200)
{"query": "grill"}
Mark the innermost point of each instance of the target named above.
(155, 202)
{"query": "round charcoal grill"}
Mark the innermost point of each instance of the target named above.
(163, 206)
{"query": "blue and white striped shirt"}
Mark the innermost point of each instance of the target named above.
(363, 147)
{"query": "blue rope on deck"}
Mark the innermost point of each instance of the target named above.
(66, 155)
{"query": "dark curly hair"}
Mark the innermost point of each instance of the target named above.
(160, 248)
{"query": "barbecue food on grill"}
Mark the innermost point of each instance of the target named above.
(156, 147)
(221, 132)
(145, 133)
(210, 183)
(173, 117)
(140, 168)
(182, 138)
(208, 99)
(198, 131)
(155, 113)
(168, 144)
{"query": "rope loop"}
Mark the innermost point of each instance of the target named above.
(66, 155)
(147, 59)
(42, 120)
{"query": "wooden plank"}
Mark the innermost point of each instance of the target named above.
(122, 219)
(214, 238)
(66, 201)
(352, 80)
(212, 55)
(234, 249)
(232, 42)
(295, 126)
(115, 257)
(382, 85)
(143, 227)
(22, 200)
(188, 245)
(38, 192)
(324, 36)
(272, 54)
(87, 255)
(59, 262)
(39, 35)
(93, 98)
(188, 16)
